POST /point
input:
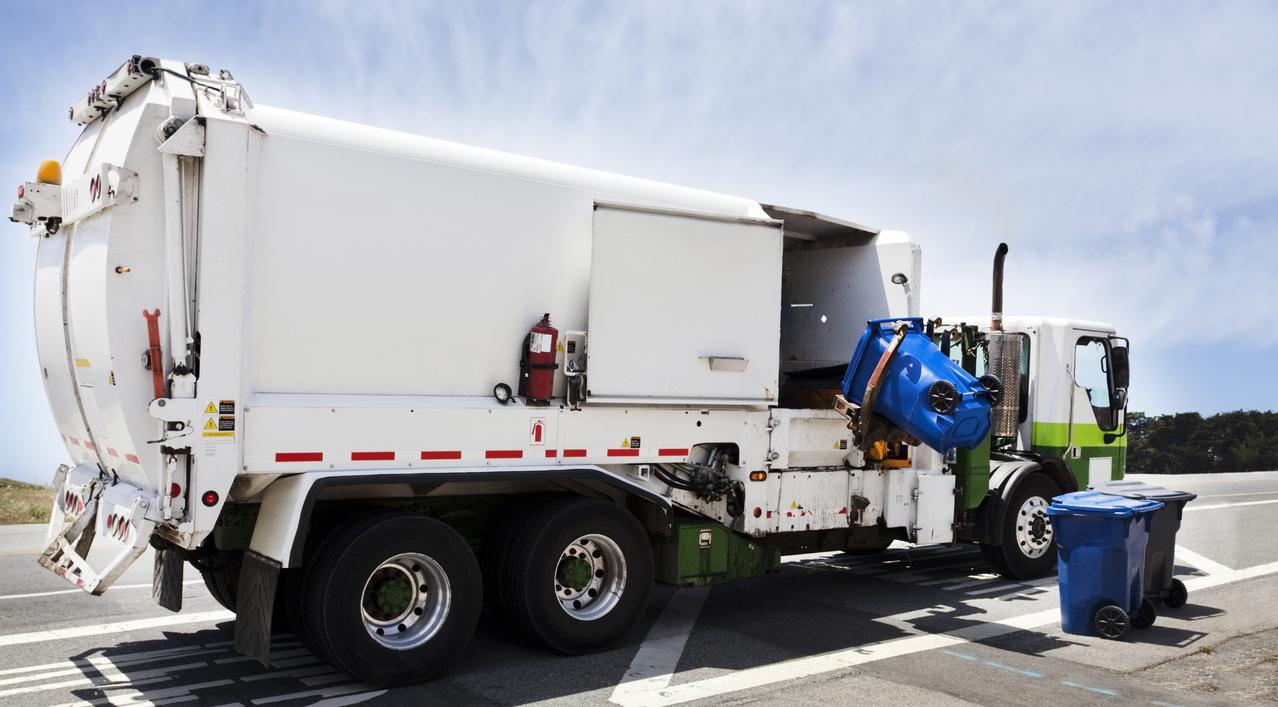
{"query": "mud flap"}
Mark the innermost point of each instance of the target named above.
(166, 579)
(254, 603)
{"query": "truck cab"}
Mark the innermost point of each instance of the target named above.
(1072, 406)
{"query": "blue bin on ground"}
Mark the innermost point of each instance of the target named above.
(908, 392)
(1101, 541)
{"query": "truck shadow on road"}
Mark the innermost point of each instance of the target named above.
(810, 608)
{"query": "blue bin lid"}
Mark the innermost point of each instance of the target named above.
(1095, 502)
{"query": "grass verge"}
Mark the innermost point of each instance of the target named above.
(24, 503)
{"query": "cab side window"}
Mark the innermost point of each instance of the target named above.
(1091, 372)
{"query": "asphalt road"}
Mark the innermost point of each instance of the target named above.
(918, 626)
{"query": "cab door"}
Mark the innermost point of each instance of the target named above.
(1096, 450)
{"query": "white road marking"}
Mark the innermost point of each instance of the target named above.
(15, 639)
(81, 591)
(1214, 506)
(1241, 493)
(658, 656)
(1200, 562)
(839, 660)
(976, 580)
(343, 690)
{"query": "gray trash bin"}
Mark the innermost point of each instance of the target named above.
(1160, 553)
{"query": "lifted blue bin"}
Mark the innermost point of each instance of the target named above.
(1100, 541)
(921, 391)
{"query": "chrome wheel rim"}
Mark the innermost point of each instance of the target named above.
(590, 577)
(1033, 528)
(405, 601)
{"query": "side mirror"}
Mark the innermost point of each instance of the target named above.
(1119, 368)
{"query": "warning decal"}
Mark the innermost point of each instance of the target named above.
(210, 409)
(537, 435)
(210, 425)
(226, 407)
(630, 443)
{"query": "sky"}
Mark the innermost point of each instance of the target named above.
(1126, 152)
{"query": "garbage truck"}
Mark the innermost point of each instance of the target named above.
(367, 383)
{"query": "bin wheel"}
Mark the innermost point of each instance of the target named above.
(943, 397)
(1145, 615)
(1111, 622)
(993, 388)
(1178, 595)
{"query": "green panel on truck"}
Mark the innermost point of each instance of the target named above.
(972, 474)
(698, 553)
(1053, 439)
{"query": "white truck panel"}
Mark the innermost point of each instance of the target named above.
(683, 307)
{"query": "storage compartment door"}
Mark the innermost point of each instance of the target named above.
(684, 308)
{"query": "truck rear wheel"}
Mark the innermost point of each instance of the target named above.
(1028, 548)
(580, 575)
(392, 598)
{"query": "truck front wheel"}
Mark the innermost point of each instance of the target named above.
(392, 598)
(1028, 547)
(580, 575)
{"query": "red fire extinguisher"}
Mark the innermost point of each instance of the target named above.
(537, 362)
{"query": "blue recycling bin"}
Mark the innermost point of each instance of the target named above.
(922, 391)
(1101, 541)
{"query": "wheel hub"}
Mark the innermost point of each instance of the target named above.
(1033, 529)
(405, 600)
(590, 577)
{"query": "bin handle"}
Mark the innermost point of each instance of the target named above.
(872, 386)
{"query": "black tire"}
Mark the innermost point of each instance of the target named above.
(222, 579)
(1145, 616)
(1111, 622)
(530, 581)
(336, 593)
(1016, 562)
(993, 556)
(497, 552)
(1177, 596)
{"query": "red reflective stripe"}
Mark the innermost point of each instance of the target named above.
(672, 452)
(504, 454)
(299, 456)
(372, 456)
(574, 452)
(552, 453)
(73, 440)
(89, 445)
(112, 452)
(623, 452)
(433, 456)
(133, 458)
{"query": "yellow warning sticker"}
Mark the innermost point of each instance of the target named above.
(211, 424)
(211, 409)
(82, 363)
(219, 434)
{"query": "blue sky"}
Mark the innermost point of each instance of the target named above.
(1126, 151)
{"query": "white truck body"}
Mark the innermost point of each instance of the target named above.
(357, 293)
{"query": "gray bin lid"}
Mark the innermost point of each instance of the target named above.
(1140, 489)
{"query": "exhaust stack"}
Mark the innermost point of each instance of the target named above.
(996, 316)
(1004, 360)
